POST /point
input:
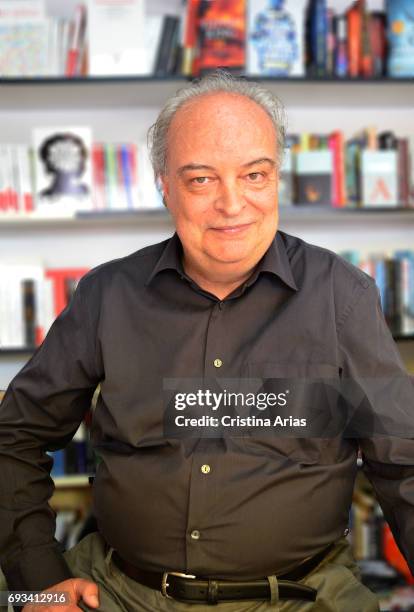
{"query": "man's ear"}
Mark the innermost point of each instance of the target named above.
(164, 187)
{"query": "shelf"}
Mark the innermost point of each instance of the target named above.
(16, 352)
(115, 92)
(287, 213)
(86, 220)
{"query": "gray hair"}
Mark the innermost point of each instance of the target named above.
(218, 81)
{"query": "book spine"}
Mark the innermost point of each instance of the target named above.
(366, 68)
(190, 37)
(354, 40)
(111, 178)
(126, 173)
(403, 171)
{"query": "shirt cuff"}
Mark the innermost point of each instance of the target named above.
(37, 570)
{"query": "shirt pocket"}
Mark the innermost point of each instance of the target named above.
(313, 392)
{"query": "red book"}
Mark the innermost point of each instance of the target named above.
(336, 145)
(28, 202)
(222, 35)
(60, 278)
(354, 40)
(78, 29)
(98, 176)
(190, 38)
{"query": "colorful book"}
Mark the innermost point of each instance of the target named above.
(63, 169)
(275, 38)
(379, 178)
(221, 30)
(24, 31)
(400, 34)
(314, 170)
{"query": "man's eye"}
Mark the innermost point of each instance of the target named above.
(200, 180)
(255, 176)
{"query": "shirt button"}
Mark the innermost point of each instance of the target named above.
(218, 363)
(195, 534)
(205, 469)
(346, 532)
(221, 305)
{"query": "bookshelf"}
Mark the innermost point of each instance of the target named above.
(115, 107)
(86, 92)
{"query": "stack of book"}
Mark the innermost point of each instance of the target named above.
(289, 38)
(394, 277)
(63, 172)
(367, 170)
(31, 297)
(374, 547)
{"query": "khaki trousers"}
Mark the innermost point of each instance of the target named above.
(336, 579)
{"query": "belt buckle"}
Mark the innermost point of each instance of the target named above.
(164, 583)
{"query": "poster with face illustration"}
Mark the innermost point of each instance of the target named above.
(62, 169)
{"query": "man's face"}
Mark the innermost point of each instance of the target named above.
(221, 182)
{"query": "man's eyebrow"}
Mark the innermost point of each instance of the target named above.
(188, 167)
(261, 160)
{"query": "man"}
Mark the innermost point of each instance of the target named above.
(254, 522)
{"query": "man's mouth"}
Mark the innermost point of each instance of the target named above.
(232, 229)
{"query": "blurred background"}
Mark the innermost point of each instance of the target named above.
(81, 83)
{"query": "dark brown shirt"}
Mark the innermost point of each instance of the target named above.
(262, 504)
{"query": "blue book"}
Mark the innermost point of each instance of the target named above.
(381, 280)
(126, 173)
(400, 34)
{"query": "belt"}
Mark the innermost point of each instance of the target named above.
(186, 587)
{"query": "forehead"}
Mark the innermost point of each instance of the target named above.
(221, 125)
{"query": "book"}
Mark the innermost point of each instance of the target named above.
(377, 33)
(341, 49)
(221, 32)
(314, 171)
(275, 38)
(63, 282)
(20, 312)
(63, 169)
(77, 43)
(317, 37)
(366, 67)
(400, 19)
(379, 178)
(152, 42)
(404, 169)
(116, 37)
(24, 47)
(285, 189)
(354, 29)
(188, 66)
(165, 61)
(336, 145)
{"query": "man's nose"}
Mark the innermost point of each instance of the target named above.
(229, 198)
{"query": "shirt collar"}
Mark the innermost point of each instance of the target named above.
(275, 261)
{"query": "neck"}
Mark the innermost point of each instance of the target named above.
(221, 284)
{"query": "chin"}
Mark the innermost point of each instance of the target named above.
(229, 255)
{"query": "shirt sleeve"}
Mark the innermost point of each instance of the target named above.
(41, 410)
(384, 424)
